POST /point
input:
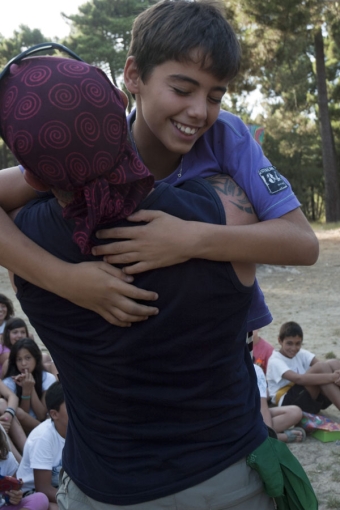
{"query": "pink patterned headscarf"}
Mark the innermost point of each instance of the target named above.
(65, 123)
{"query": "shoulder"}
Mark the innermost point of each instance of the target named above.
(276, 354)
(227, 133)
(259, 373)
(9, 466)
(39, 433)
(232, 124)
(303, 354)
(275, 358)
(8, 381)
(47, 379)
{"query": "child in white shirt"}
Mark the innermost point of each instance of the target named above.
(296, 377)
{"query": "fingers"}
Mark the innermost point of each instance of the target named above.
(110, 248)
(122, 258)
(118, 317)
(114, 271)
(128, 307)
(140, 267)
(126, 232)
(124, 290)
(6, 424)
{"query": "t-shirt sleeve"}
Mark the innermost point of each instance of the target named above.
(242, 158)
(11, 465)
(41, 455)
(261, 381)
(276, 368)
(307, 358)
(10, 384)
(48, 379)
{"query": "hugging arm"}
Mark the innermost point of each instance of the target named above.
(94, 285)
(166, 240)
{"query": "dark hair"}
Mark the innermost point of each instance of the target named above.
(54, 396)
(290, 329)
(33, 348)
(4, 444)
(11, 324)
(174, 29)
(10, 308)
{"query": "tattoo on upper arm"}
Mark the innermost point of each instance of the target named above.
(225, 184)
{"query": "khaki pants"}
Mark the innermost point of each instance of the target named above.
(237, 488)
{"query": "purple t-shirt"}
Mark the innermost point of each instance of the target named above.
(228, 147)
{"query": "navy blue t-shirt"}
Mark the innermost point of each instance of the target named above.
(173, 400)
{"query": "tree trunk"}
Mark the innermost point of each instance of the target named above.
(330, 170)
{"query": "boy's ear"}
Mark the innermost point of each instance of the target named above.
(131, 76)
(53, 414)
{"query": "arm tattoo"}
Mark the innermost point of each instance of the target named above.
(224, 184)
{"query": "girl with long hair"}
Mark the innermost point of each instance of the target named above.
(15, 329)
(6, 311)
(27, 378)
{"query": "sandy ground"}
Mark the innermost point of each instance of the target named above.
(309, 296)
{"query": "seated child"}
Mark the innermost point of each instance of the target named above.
(41, 461)
(281, 419)
(8, 420)
(29, 381)
(8, 467)
(6, 311)
(295, 376)
(262, 350)
(16, 329)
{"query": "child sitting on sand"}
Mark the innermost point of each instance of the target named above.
(296, 376)
(6, 311)
(15, 329)
(8, 467)
(281, 419)
(29, 381)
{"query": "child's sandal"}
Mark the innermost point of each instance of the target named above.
(293, 438)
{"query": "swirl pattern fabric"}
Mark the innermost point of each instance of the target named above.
(65, 123)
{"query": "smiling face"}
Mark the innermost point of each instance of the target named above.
(290, 346)
(177, 104)
(25, 361)
(17, 333)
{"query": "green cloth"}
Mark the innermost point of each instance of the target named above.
(283, 476)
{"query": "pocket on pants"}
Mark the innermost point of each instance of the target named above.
(64, 481)
(69, 496)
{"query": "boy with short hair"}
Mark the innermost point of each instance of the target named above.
(182, 56)
(42, 456)
(180, 133)
(296, 377)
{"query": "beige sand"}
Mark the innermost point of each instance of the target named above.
(310, 296)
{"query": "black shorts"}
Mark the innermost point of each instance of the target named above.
(298, 395)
